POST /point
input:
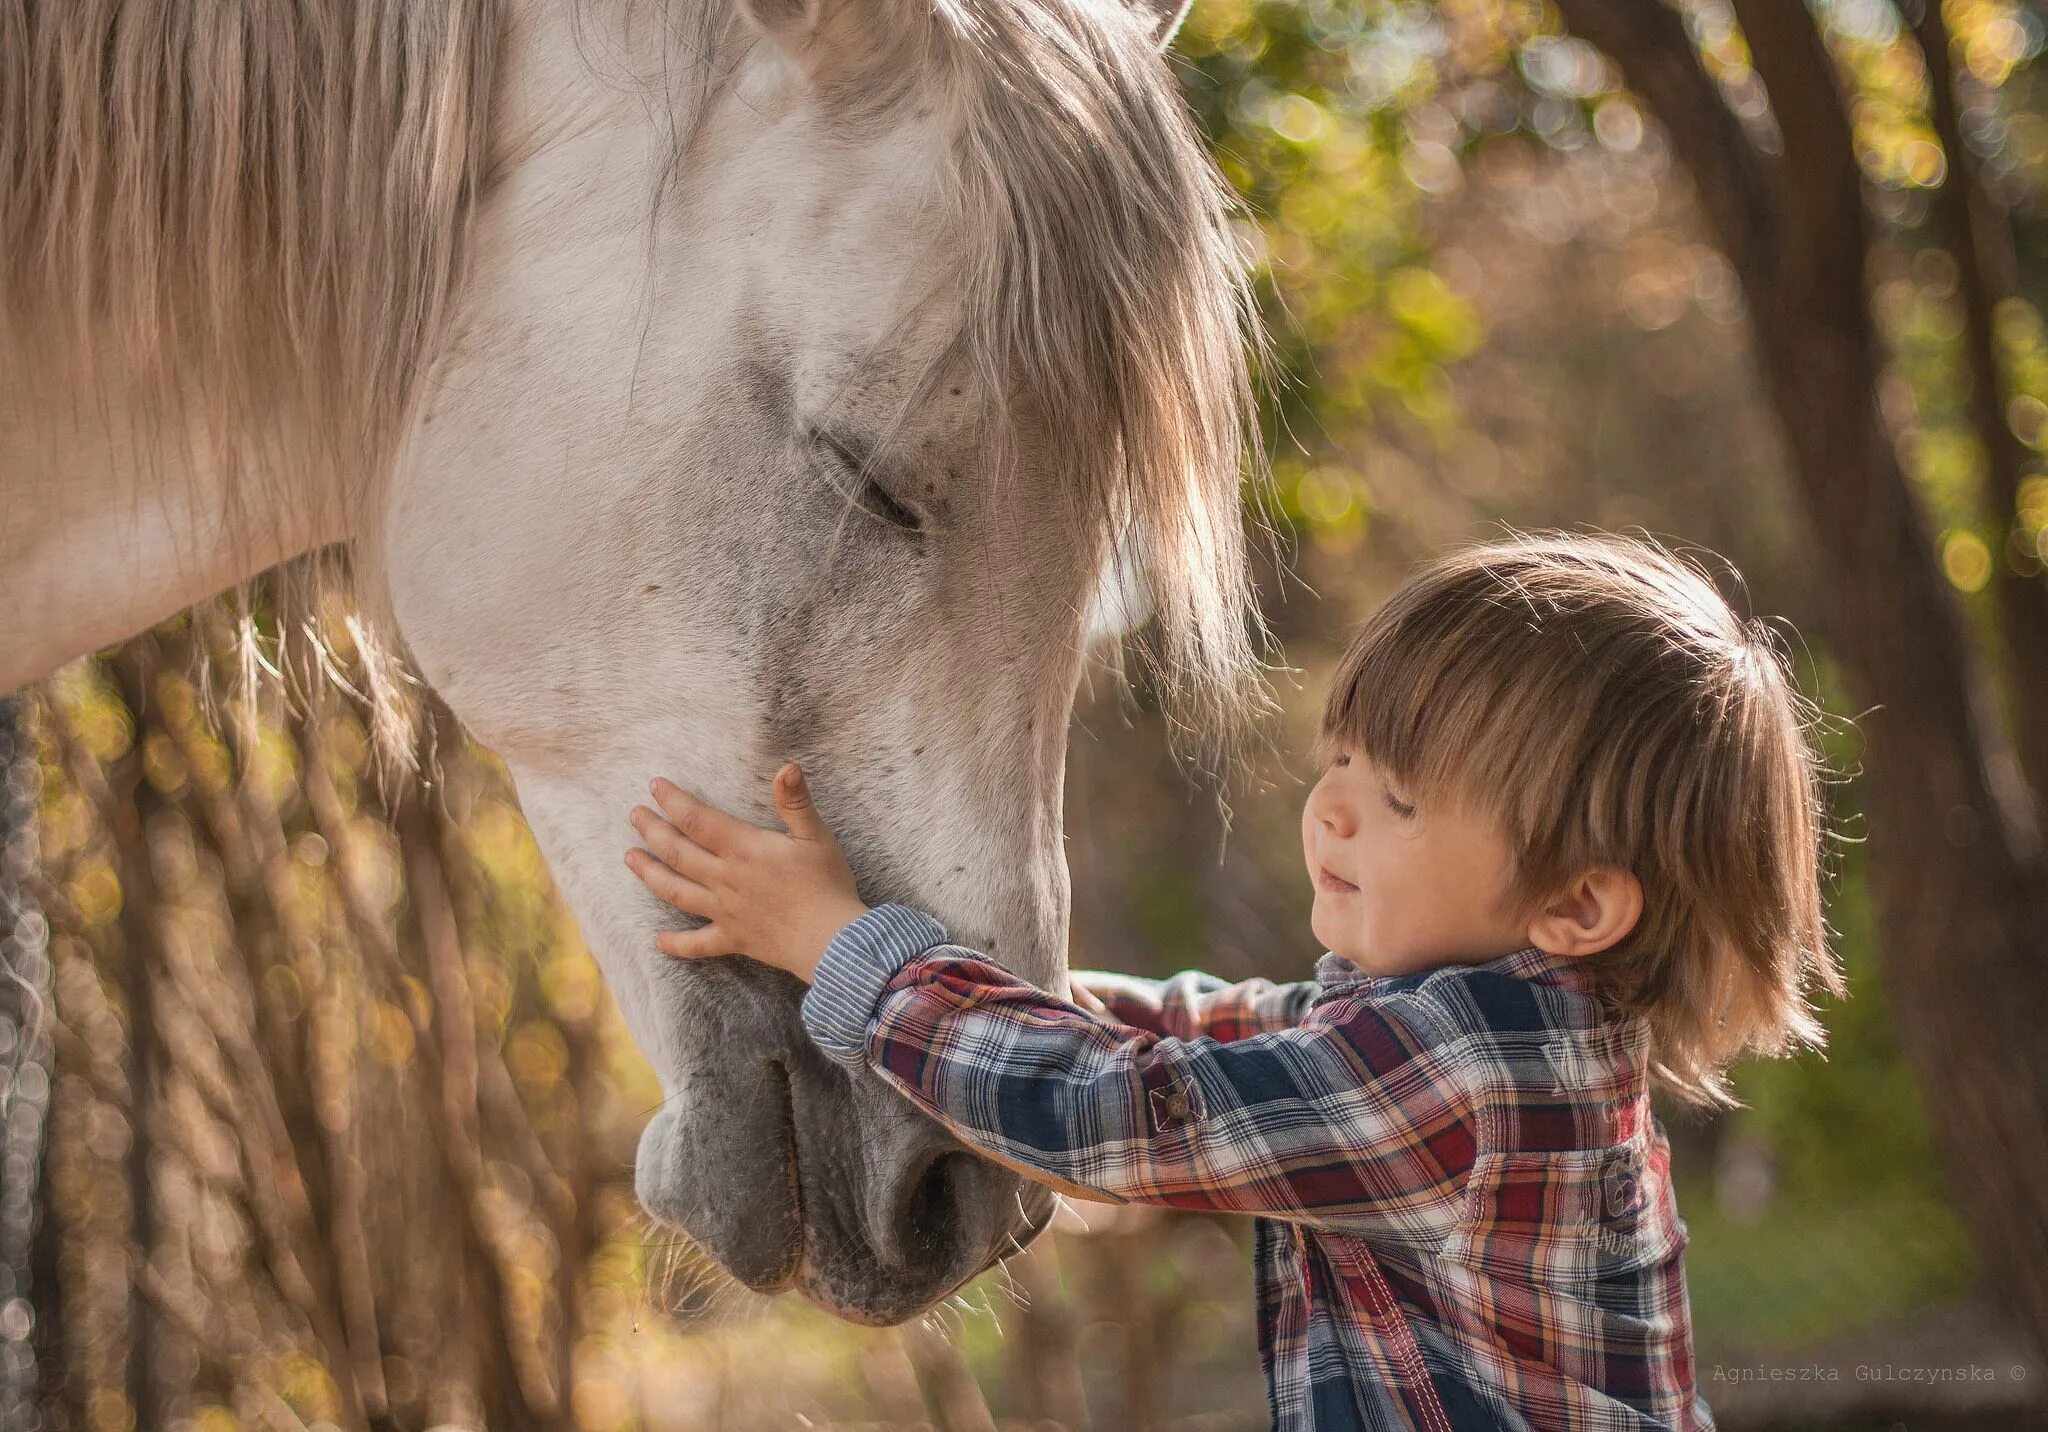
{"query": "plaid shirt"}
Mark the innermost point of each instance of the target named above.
(1465, 1216)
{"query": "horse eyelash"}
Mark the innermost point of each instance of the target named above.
(872, 497)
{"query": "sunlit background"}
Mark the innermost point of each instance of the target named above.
(342, 1119)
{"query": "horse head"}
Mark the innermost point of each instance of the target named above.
(819, 457)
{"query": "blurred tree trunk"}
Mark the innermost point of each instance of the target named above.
(1044, 1354)
(28, 1302)
(1954, 830)
(330, 1168)
(1977, 232)
(135, 805)
(945, 1377)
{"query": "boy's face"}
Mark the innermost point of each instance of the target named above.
(1403, 883)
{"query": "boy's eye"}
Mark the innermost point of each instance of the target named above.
(1398, 806)
(1340, 759)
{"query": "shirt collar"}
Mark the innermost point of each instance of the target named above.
(1529, 963)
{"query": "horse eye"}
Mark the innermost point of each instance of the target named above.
(877, 500)
(856, 458)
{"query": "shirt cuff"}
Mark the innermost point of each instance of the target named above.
(854, 972)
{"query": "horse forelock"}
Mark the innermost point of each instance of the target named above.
(1102, 282)
(1106, 274)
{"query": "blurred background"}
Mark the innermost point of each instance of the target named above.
(317, 1112)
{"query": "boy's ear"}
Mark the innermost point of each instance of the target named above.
(1594, 912)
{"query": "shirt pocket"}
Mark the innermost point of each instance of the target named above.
(1563, 1217)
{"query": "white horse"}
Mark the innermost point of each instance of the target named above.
(700, 384)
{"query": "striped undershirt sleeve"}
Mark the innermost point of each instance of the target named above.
(852, 974)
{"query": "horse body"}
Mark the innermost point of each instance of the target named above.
(761, 477)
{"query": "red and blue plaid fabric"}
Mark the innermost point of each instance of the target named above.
(1463, 1199)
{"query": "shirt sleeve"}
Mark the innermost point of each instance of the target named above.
(1359, 1113)
(1192, 1004)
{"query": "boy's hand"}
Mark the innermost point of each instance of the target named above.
(776, 897)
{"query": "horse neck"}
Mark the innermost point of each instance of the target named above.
(180, 413)
(126, 500)
(123, 508)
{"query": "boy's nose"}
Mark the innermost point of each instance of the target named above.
(1331, 812)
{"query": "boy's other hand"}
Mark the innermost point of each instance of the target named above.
(777, 896)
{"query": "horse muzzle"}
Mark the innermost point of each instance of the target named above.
(791, 1172)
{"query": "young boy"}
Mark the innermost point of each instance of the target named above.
(1566, 840)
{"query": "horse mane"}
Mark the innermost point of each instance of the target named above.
(257, 213)
(276, 197)
(272, 195)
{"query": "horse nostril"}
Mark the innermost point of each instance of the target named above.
(926, 1225)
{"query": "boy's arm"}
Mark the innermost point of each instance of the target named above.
(1192, 1004)
(1359, 1110)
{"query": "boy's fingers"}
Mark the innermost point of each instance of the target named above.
(708, 826)
(672, 846)
(669, 887)
(793, 804)
(702, 943)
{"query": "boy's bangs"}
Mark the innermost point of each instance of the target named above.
(1427, 695)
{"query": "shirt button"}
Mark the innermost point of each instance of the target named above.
(1170, 1107)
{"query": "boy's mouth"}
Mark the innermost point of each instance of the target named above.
(1326, 881)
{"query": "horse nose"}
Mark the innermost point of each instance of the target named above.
(897, 1212)
(950, 1208)
(791, 1171)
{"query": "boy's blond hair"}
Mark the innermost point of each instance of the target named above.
(1598, 698)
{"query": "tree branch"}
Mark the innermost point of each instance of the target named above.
(1649, 42)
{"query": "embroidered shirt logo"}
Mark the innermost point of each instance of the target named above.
(1570, 1069)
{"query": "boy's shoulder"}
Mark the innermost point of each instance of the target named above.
(1528, 989)
(1521, 1014)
